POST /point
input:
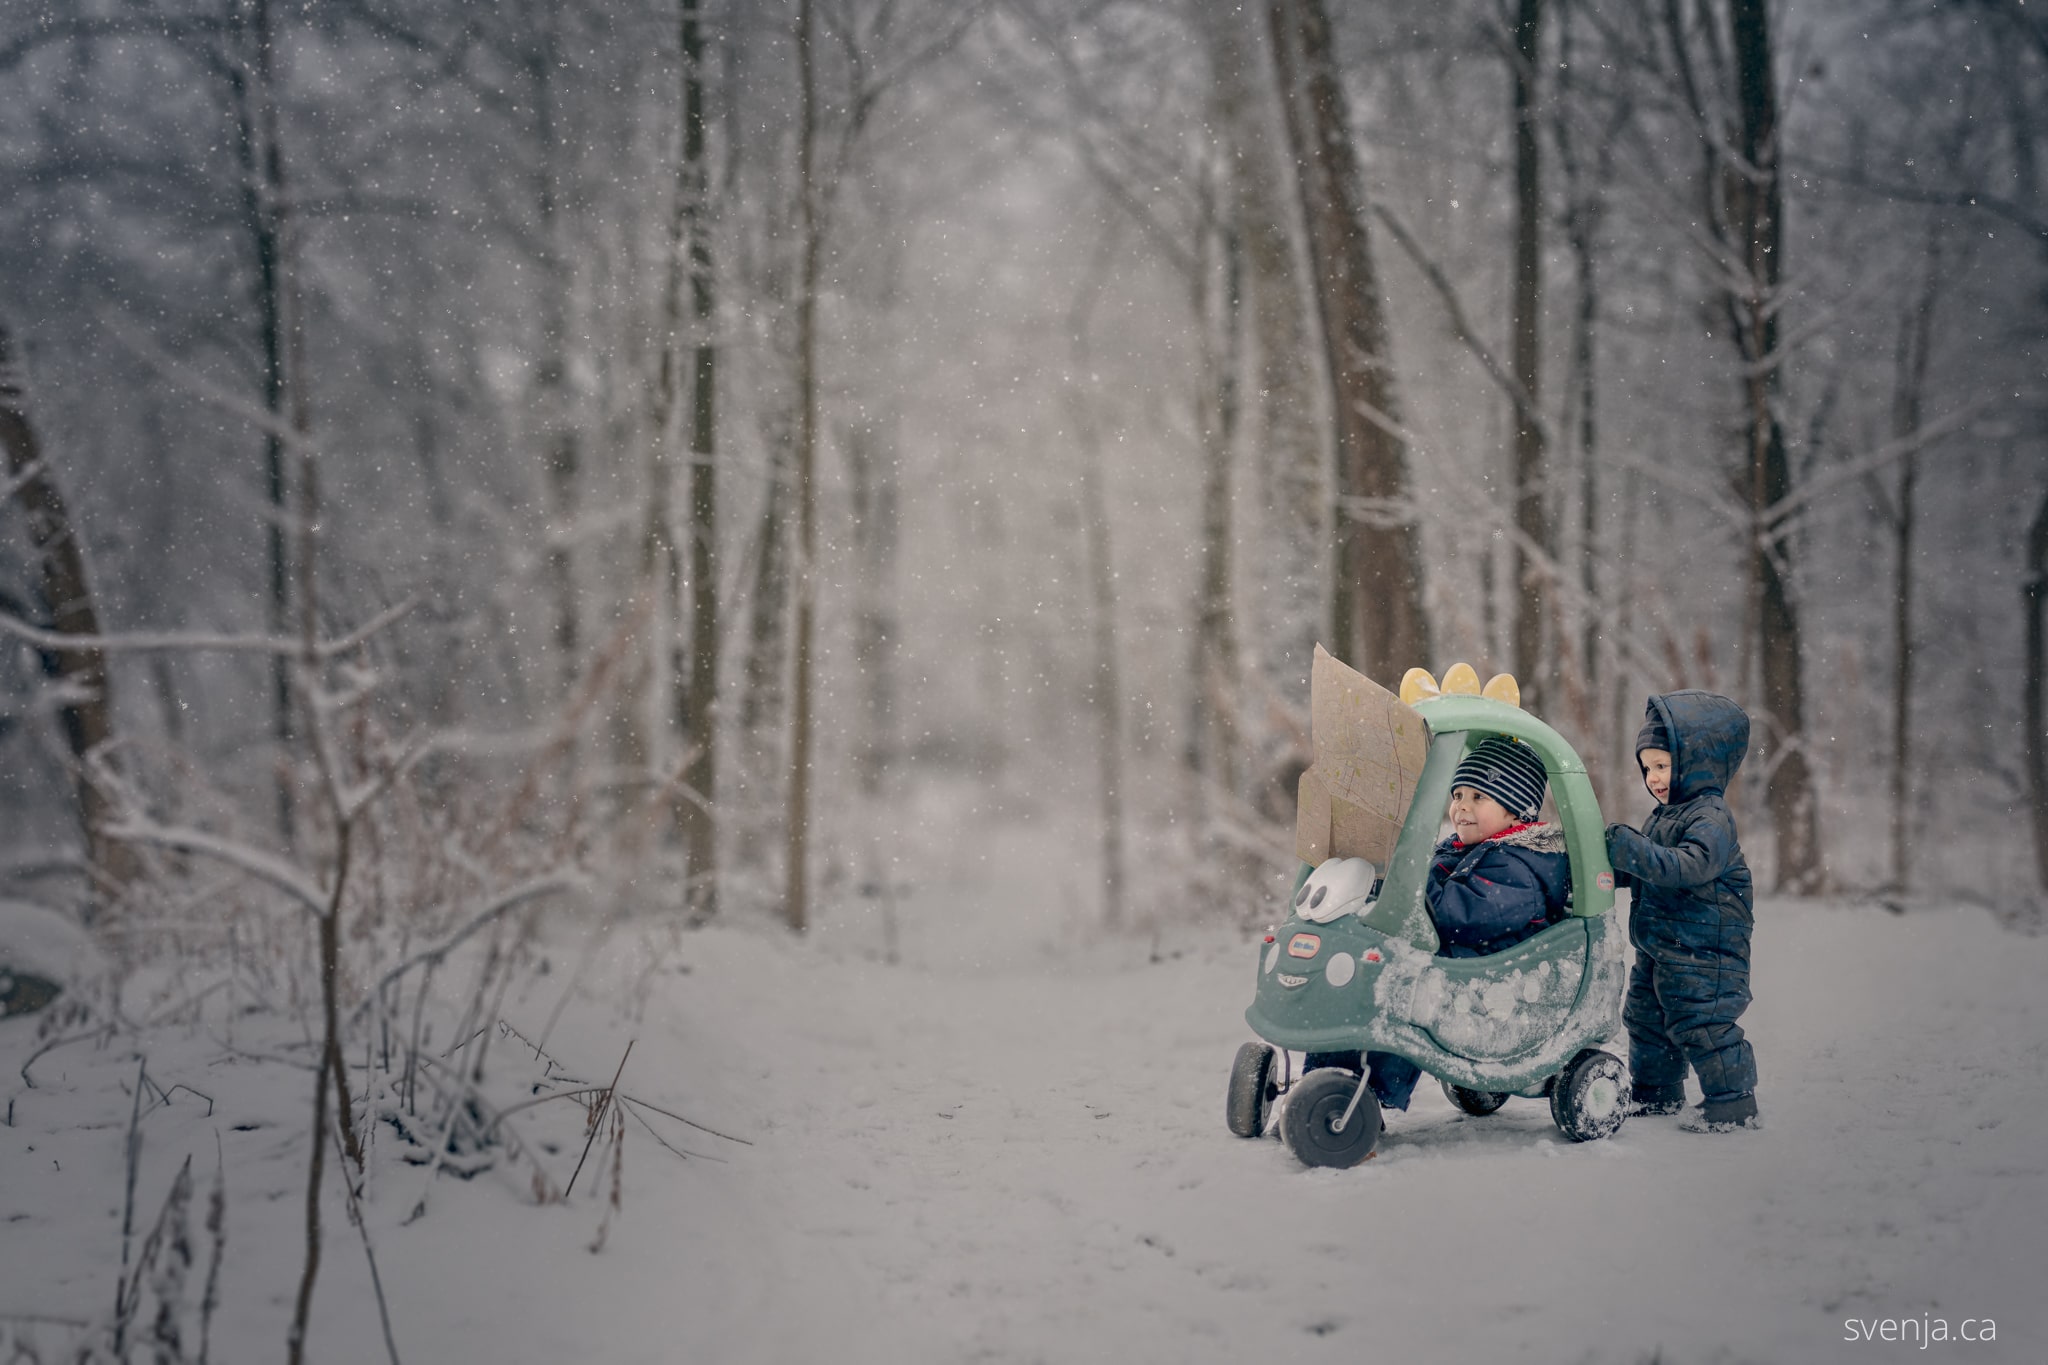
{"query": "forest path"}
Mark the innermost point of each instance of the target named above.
(1004, 1152)
(1028, 1161)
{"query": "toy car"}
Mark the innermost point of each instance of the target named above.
(1350, 970)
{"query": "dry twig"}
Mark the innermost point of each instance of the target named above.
(597, 1117)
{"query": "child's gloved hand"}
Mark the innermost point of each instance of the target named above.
(1624, 843)
(1620, 835)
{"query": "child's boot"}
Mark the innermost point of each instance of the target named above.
(1656, 1099)
(1721, 1116)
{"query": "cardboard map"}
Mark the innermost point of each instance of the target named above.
(1369, 749)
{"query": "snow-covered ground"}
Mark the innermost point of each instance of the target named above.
(1020, 1155)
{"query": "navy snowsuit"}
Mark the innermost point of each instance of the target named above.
(1693, 909)
(1483, 898)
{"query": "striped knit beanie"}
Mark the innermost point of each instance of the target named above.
(1508, 771)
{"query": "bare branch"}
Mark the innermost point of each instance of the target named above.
(1728, 509)
(27, 475)
(497, 906)
(145, 349)
(143, 642)
(666, 1113)
(2012, 211)
(597, 1117)
(103, 1031)
(1774, 516)
(1525, 403)
(1498, 518)
(254, 861)
(48, 30)
(355, 639)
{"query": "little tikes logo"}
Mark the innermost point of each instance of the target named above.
(1304, 945)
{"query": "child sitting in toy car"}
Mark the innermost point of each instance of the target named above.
(1499, 878)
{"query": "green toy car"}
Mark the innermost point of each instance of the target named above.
(1348, 971)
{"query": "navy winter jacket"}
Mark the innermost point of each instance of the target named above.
(1693, 912)
(1686, 864)
(1493, 894)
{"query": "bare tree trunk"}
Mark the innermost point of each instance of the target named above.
(445, 655)
(2035, 717)
(88, 711)
(560, 456)
(1757, 192)
(796, 895)
(305, 525)
(1902, 678)
(761, 702)
(1909, 387)
(699, 701)
(1294, 573)
(1626, 710)
(1378, 621)
(691, 670)
(1583, 212)
(872, 488)
(1212, 738)
(871, 467)
(1105, 695)
(1532, 585)
(252, 87)
(764, 685)
(646, 718)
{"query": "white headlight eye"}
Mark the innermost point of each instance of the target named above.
(1317, 898)
(1302, 894)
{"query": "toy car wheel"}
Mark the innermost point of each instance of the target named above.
(1251, 1090)
(1478, 1103)
(1318, 1101)
(1591, 1097)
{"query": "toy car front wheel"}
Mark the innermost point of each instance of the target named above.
(1590, 1099)
(1314, 1109)
(1251, 1090)
(1478, 1103)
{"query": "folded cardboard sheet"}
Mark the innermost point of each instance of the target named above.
(1368, 753)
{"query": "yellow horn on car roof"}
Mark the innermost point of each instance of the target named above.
(1418, 684)
(1462, 679)
(1503, 687)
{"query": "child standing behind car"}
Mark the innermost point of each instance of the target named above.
(1691, 917)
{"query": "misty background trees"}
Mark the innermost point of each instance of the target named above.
(807, 433)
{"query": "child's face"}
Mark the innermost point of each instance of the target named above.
(1656, 772)
(1475, 816)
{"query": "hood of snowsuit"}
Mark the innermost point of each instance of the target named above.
(1709, 736)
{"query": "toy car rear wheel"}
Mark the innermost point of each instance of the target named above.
(1591, 1097)
(1478, 1103)
(1315, 1105)
(1251, 1090)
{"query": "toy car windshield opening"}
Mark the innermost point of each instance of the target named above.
(1400, 911)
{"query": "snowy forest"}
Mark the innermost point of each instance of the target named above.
(547, 506)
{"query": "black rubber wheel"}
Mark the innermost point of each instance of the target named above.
(1591, 1097)
(1251, 1090)
(1318, 1100)
(1477, 1103)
